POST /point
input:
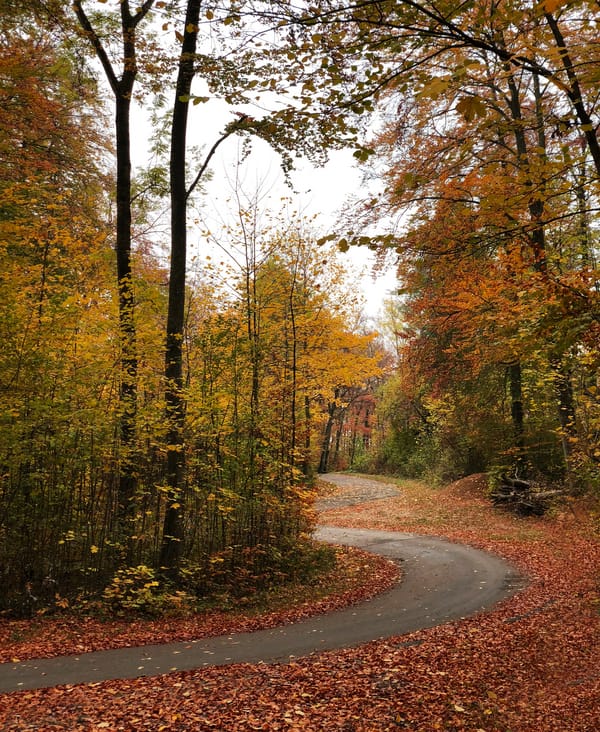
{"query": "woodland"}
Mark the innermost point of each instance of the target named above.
(161, 428)
(164, 421)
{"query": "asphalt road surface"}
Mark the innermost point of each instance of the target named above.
(441, 581)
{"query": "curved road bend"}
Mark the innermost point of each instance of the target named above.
(441, 582)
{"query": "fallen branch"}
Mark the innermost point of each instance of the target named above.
(523, 497)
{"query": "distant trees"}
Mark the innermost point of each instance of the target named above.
(294, 349)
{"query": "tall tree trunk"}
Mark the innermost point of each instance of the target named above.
(173, 535)
(326, 444)
(294, 386)
(566, 406)
(122, 89)
(306, 462)
(251, 432)
(537, 236)
(516, 412)
(562, 378)
(129, 364)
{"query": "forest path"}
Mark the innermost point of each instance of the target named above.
(441, 582)
(348, 489)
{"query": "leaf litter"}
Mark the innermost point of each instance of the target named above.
(528, 665)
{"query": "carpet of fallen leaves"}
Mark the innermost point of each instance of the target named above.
(45, 637)
(528, 665)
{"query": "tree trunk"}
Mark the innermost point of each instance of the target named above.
(122, 89)
(306, 468)
(294, 385)
(574, 92)
(341, 419)
(173, 535)
(517, 415)
(324, 459)
(127, 329)
(566, 406)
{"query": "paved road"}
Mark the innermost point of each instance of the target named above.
(353, 489)
(441, 582)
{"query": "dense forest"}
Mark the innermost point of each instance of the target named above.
(161, 428)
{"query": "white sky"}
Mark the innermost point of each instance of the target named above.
(317, 191)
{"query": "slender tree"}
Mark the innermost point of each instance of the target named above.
(122, 85)
(172, 545)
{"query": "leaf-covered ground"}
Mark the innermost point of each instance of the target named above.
(44, 637)
(530, 665)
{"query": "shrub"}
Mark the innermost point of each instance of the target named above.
(136, 590)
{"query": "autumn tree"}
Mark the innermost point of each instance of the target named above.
(506, 94)
(262, 343)
(487, 203)
(188, 60)
(57, 364)
(121, 72)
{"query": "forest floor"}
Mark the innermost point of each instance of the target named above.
(530, 664)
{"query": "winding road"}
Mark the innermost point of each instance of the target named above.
(441, 582)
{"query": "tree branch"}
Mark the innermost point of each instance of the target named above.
(231, 129)
(97, 45)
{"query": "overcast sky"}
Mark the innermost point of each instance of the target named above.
(316, 191)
